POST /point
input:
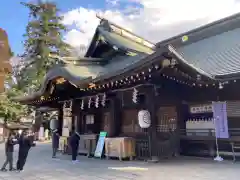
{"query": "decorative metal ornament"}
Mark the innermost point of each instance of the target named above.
(185, 38)
(103, 102)
(97, 102)
(82, 104)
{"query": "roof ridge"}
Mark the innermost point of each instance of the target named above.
(199, 29)
(128, 34)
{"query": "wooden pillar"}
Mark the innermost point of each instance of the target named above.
(152, 131)
(60, 120)
(79, 121)
(75, 116)
(115, 114)
(182, 115)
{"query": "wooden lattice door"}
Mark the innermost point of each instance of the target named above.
(130, 122)
(105, 122)
(167, 143)
(167, 119)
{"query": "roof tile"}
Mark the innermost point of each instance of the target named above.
(216, 55)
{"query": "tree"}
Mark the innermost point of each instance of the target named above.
(10, 109)
(44, 36)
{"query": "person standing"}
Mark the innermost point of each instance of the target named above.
(9, 149)
(25, 144)
(55, 142)
(74, 143)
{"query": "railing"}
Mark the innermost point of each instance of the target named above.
(207, 132)
(197, 132)
(165, 145)
(234, 132)
(142, 149)
(167, 142)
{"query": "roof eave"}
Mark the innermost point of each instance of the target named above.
(55, 73)
(140, 64)
(93, 44)
(228, 77)
(191, 66)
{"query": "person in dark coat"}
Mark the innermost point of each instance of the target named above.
(74, 143)
(9, 149)
(55, 142)
(25, 143)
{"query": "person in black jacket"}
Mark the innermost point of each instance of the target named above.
(9, 149)
(55, 142)
(74, 143)
(25, 143)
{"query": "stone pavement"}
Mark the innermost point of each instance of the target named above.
(40, 166)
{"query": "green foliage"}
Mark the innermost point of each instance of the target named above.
(10, 109)
(44, 36)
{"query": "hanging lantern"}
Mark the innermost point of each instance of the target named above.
(52, 88)
(103, 102)
(135, 96)
(82, 104)
(144, 119)
(97, 102)
(89, 102)
(53, 124)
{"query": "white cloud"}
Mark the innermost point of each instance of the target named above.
(155, 20)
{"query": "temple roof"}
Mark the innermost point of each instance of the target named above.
(213, 48)
(77, 75)
(119, 38)
(128, 47)
(81, 75)
(211, 51)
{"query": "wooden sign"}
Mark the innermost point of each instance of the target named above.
(100, 144)
(205, 108)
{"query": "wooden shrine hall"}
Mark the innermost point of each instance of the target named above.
(176, 80)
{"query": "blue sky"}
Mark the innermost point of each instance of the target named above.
(155, 20)
(14, 17)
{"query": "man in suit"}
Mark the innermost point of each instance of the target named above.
(74, 143)
(55, 142)
(25, 144)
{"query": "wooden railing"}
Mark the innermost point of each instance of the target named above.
(167, 141)
(207, 132)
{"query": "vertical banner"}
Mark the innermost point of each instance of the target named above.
(220, 119)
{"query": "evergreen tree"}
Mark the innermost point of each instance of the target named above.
(44, 37)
